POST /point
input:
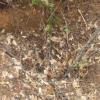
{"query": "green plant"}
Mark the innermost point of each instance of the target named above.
(36, 2)
(83, 63)
(66, 30)
(48, 28)
(53, 19)
(43, 2)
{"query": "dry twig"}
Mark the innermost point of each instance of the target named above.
(82, 52)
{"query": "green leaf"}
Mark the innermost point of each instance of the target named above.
(48, 28)
(66, 29)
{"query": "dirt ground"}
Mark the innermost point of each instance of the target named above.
(35, 65)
